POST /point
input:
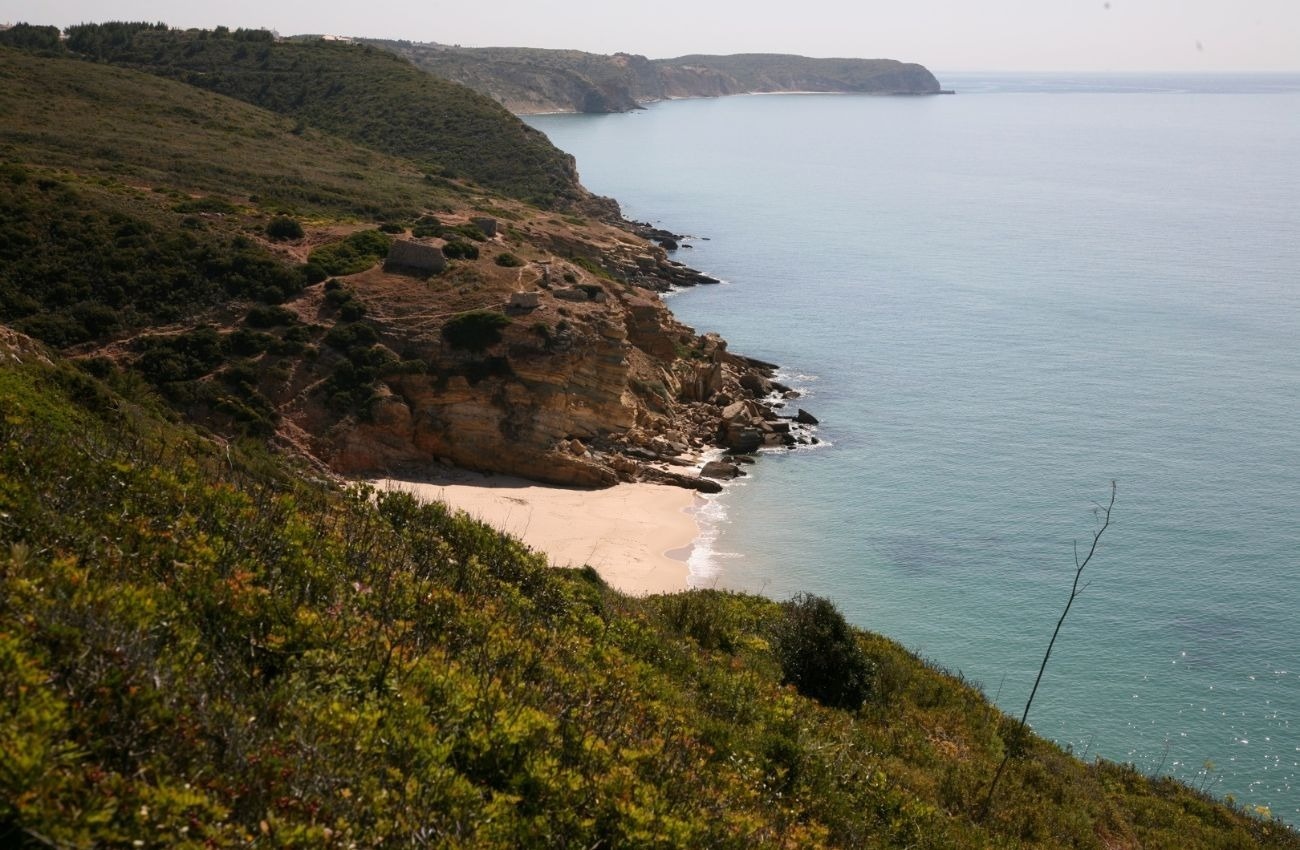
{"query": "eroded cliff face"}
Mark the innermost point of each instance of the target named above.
(592, 380)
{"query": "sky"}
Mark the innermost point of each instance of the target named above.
(952, 35)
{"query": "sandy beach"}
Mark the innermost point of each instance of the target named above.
(625, 531)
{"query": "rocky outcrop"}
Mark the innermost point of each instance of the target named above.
(16, 347)
(563, 366)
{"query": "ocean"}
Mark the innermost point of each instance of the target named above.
(998, 303)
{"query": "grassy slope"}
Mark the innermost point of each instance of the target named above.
(130, 200)
(86, 117)
(370, 97)
(197, 646)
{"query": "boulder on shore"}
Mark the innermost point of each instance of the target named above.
(720, 469)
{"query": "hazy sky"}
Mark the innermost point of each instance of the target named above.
(1084, 35)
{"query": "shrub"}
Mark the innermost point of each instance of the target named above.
(351, 310)
(471, 231)
(592, 266)
(426, 226)
(508, 260)
(459, 249)
(265, 316)
(476, 330)
(282, 228)
(356, 253)
(210, 204)
(819, 654)
(314, 273)
(713, 619)
(345, 300)
(390, 227)
(347, 337)
(180, 358)
(247, 343)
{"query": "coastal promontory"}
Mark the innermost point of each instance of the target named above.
(529, 80)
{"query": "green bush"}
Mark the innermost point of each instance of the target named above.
(314, 273)
(352, 310)
(246, 342)
(476, 330)
(345, 301)
(354, 254)
(508, 260)
(347, 337)
(459, 249)
(819, 654)
(592, 266)
(426, 227)
(180, 358)
(470, 231)
(282, 228)
(267, 316)
(210, 204)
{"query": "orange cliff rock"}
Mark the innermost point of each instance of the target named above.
(587, 378)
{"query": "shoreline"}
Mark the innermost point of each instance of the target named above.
(638, 537)
(642, 104)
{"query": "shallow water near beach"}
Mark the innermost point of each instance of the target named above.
(997, 303)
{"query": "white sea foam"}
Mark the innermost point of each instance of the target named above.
(705, 559)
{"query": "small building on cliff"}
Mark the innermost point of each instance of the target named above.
(415, 258)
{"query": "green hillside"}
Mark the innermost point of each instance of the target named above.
(360, 93)
(92, 118)
(201, 647)
(204, 643)
(130, 201)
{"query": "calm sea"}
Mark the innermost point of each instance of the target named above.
(999, 302)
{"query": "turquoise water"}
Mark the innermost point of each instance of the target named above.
(997, 303)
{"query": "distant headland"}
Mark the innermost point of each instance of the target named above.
(531, 80)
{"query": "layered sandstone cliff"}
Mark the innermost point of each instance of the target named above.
(592, 380)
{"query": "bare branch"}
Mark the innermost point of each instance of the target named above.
(1075, 590)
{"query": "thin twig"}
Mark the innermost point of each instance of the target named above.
(1075, 590)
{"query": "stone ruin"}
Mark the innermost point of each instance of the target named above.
(415, 258)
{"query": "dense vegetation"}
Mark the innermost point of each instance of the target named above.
(200, 646)
(357, 92)
(80, 262)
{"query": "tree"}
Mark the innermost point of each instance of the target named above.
(1103, 515)
(820, 655)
